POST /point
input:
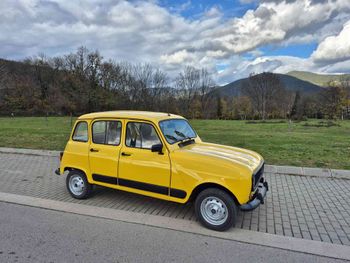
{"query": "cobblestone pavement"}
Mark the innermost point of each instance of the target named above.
(306, 207)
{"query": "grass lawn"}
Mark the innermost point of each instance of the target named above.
(279, 143)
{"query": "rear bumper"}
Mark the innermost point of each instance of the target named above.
(57, 171)
(258, 197)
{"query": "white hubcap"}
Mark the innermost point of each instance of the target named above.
(214, 210)
(76, 185)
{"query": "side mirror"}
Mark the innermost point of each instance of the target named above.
(157, 148)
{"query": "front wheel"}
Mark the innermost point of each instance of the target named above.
(216, 209)
(77, 185)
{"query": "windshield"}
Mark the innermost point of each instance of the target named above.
(176, 130)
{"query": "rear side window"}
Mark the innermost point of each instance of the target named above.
(81, 132)
(106, 132)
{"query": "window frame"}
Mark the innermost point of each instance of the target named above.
(75, 129)
(105, 135)
(146, 122)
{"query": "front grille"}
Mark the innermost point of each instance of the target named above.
(257, 176)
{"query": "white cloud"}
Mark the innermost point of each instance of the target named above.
(334, 48)
(276, 22)
(178, 57)
(142, 31)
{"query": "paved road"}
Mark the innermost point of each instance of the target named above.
(299, 206)
(37, 235)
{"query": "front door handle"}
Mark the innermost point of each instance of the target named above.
(126, 154)
(93, 150)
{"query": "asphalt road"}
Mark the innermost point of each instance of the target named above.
(30, 234)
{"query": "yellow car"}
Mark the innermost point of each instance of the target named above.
(160, 155)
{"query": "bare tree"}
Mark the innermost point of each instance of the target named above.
(158, 90)
(264, 90)
(242, 107)
(4, 74)
(187, 83)
(285, 103)
(143, 78)
(345, 84)
(44, 77)
(4, 82)
(333, 100)
(204, 89)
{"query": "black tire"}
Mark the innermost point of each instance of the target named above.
(77, 180)
(217, 202)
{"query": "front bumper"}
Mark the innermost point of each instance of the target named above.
(258, 197)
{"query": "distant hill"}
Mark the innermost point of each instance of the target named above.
(318, 79)
(291, 83)
(12, 70)
(15, 67)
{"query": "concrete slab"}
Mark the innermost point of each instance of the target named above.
(270, 168)
(289, 170)
(241, 235)
(322, 172)
(341, 174)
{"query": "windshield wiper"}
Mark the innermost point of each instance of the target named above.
(185, 138)
(182, 142)
(181, 134)
(186, 141)
(171, 137)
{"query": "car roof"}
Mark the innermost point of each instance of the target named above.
(128, 114)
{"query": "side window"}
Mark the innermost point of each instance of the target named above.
(114, 129)
(141, 135)
(106, 132)
(80, 132)
(99, 132)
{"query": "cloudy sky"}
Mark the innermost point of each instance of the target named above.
(231, 38)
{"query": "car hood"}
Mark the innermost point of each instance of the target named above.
(240, 156)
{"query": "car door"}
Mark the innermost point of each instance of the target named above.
(139, 167)
(104, 150)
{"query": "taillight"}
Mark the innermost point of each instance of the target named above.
(61, 155)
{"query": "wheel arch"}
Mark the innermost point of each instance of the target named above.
(199, 188)
(74, 169)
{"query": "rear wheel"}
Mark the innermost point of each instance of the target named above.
(216, 209)
(77, 185)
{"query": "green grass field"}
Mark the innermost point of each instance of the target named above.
(300, 144)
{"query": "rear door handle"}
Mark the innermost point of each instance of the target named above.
(93, 150)
(126, 154)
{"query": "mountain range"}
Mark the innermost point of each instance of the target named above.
(318, 79)
(302, 81)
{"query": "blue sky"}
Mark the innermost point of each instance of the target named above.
(194, 9)
(231, 38)
(296, 50)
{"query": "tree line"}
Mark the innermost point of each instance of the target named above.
(83, 81)
(263, 96)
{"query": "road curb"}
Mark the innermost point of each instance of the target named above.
(274, 169)
(308, 171)
(29, 151)
(245, 236)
